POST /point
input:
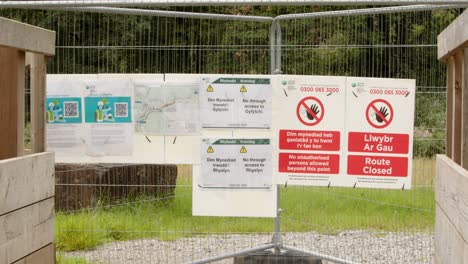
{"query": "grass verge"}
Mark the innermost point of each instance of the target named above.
(325, 210)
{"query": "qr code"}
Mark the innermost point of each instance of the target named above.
(121, 109)
(70, 109)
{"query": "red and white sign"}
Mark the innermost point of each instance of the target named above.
(377, 166)
(379, 125)
(344, 131)
(378, 142)
(309, 163)
(308, 121)
(309, 140)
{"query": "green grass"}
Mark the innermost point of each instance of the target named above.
(62, 259)
(326, 210)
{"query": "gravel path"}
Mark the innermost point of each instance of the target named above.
(359, 246)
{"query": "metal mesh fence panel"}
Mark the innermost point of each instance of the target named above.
(120, 213)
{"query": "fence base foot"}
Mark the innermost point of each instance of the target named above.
(283, 257)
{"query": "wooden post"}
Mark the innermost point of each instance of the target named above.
(11, 102)
(457, 107)
(464, 150)
(38, 70)
(449, 107)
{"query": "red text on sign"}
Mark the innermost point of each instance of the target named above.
(378, 142)
(377, 166)
(309, 140)
(309, 163)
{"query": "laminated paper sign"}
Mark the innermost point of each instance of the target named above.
(108, 117)
(64, 117)
(235, 102)
(166, 107)
(236, 163)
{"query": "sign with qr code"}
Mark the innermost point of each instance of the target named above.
(63, 110)
(108, 109)
(64, 118)
(108, 117)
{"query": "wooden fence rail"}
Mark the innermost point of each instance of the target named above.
(27, 209)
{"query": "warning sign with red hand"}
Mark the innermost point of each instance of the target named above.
(310, 111)
(379, 132)
(379, 113)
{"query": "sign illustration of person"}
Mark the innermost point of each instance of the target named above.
(103, 112)
(54, 112)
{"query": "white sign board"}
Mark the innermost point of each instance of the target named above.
(236, 163)
(310, 128)
(379, 124)
(235, 102)
(350, 132)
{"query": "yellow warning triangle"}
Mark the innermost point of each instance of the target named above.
(243, 89)
(243, 150)
(210, 89)
(210, 150)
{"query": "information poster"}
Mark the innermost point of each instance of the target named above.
(236, 163)
(64, 116)
(310, 127)
(235, 102)
(108, 117)
(166, 107)
(379, 123)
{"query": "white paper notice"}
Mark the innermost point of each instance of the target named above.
(167, 107)
(64, 117)
(108, 117)
(235, 102)
(236, 163)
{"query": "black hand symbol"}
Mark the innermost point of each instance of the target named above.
(384, 111)
(314, 108)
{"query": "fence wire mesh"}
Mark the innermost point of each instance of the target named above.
(127, 213)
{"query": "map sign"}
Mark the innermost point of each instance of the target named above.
(166, 107)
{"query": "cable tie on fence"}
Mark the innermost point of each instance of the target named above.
(407, 94)
(286, 184)
(355, 95)
(175, 138)
(164, 77)
(329, 183)
(148, 139)
(354, 186)
(403, 188)
(329, 94)
(285, 92)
